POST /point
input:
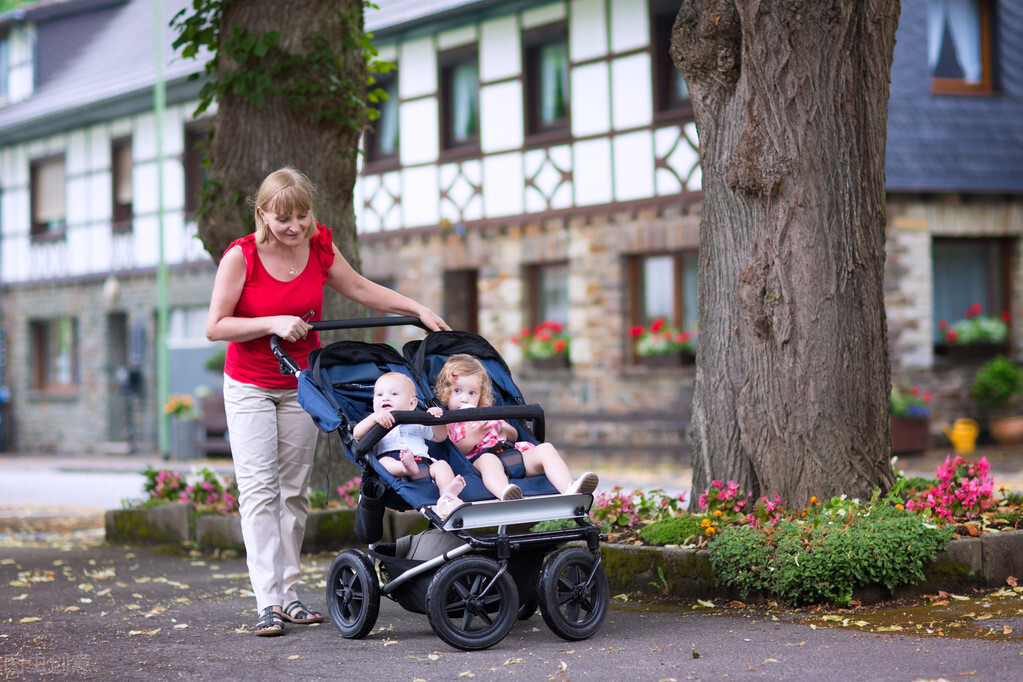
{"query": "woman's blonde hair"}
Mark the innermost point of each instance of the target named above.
(284, 192)
(462, 365)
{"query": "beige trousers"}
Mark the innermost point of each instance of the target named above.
(272, 444)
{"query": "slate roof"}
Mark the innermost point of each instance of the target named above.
(955, 143)
(936, 143)
(110, 73)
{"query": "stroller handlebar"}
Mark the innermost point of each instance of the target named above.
(531, 411)
(288, 364)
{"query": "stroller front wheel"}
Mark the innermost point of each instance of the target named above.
(472, 603)
(353, 594)
(574, 593)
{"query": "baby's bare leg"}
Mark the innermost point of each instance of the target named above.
(445, 478)
(393, 466)
(492, 471)
(408, 461)
(544, 459)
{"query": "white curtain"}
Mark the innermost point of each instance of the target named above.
(464, 119)
(387, 124)
(553, 82)
(48, 192)
(963, 20)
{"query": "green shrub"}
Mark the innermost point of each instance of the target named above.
(829, 554)
(674, 530)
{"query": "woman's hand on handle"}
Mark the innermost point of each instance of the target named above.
(433, 321)
(289, 327)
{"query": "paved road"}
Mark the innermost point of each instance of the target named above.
(128, 613)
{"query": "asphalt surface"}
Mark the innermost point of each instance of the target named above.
(129, 613)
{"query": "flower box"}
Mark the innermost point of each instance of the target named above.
(676, 358)
(969, 352)
(546, 364)
(159, 524)
(910, 435)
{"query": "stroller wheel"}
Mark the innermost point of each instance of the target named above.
(353, 594)
(573, 593)
(471, 603)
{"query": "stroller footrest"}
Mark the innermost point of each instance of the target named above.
(488, 513)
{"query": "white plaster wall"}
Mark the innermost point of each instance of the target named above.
(502, 185)
(587, 30)
(631, 92)
(417, 69)
(630, 25)
(547, 14)
(501, 117)
(419, 198)
(418, 131)
(633, 166)
(500, 50)
(591, 110)
(592, 173)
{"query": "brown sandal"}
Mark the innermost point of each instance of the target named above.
(296, 612)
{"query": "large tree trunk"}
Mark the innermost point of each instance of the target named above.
(249, 140)
(792, 381)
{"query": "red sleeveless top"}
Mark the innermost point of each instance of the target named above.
(252, 362)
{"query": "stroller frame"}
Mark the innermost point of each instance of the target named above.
(475, 587)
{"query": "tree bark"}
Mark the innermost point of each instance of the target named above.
(248, 141)
(792, 381)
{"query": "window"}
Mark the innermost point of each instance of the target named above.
(664, 285)
(120, 171)
(461, 299)
(547, 85)
(671, 94)
(460, 107)
(54, 354)
(48, 202)
(381, 136)
(548, 300)
(959, 46)
(969, 271)
(196, 169)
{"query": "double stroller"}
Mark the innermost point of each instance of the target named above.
(480, 567)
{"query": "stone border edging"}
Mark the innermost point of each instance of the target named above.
(981, 562)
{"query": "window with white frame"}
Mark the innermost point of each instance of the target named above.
(54, 354)
(48, 192)
(547, 81)
(120, 171)
(959, 46)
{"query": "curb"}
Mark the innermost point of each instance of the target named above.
(969, 563)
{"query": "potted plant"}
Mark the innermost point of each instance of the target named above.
(546, 345)
(976, 335)
(997, 388)
(910, 413)
(184, 429)
(661, 344)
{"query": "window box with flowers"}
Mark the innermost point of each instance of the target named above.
(976, 336)
(662, 345)
(910, 413)
(184, 426)
(545, 346)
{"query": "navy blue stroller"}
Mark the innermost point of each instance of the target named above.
(479, 568)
